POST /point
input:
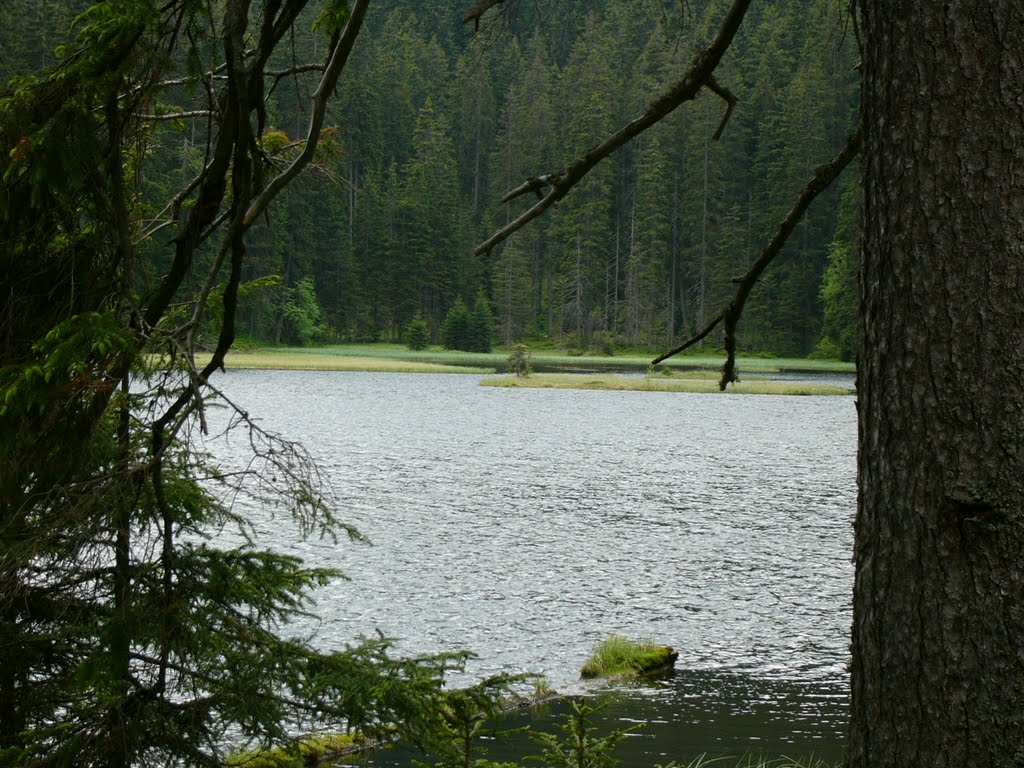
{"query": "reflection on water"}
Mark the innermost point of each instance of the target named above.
(528, 525)
(718, 712)
(692, 713)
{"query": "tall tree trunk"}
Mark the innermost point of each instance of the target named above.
(615, 328)
(702, 280)
(673, 267)
(938, 636)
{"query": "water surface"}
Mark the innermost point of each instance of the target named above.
(527, 525)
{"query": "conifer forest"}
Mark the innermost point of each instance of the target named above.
(435, 122)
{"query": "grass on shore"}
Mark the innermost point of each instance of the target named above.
(358, 356)
(681, 383)
(312, 360)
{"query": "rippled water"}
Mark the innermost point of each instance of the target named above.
(528, 525)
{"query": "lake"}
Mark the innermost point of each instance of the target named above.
(528, 525)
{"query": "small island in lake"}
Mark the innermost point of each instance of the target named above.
(619, 656)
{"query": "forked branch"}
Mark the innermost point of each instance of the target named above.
(730, 101)
(335, 65)
(242, 215)
(823, 177)
(478, 10)
(700, 75)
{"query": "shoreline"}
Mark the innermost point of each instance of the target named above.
(557, 371)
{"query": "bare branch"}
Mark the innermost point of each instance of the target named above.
(214, 74)
(823, 177)
(217, 73)
(335, 65)
(478, 10)
(298, 69)
(730, 100)
(178, 115)
(692, 340)
(699, 76)
(533, 184)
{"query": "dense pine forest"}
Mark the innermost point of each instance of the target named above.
(436, 121)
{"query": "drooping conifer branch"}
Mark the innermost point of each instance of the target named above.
(823, 177)
(700, 75)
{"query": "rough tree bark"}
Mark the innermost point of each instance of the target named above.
(938, 636)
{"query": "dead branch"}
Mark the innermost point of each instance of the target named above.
(822, 179)
(478, 10)
(700, 75)
(533, 184)
(178, 115)
(730, 101)
(231, 140)
(298, 69)
(332, 72)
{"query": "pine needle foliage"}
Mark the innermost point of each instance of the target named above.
(130, 634)
(578, 745)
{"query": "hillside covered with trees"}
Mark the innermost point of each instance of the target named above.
(434, 124)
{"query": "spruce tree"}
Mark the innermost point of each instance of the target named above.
(480, 331)
(455, 331)
(430, 219)
(138, 640)
(417, 333)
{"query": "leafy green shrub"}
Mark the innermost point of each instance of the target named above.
(417, 333)
(303, 313)
(827, 349)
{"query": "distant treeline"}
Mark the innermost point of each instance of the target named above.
(433, 123)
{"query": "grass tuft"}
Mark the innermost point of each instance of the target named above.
(751, 761)
(758, 761)
(618, 656)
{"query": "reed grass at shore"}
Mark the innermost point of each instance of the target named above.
(306, 361)
(690, 383)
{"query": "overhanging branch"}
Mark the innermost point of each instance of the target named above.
(700, 75)
(730, 101)
(822, 179)
(478, 10)
(328, 81)
(243, 216)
